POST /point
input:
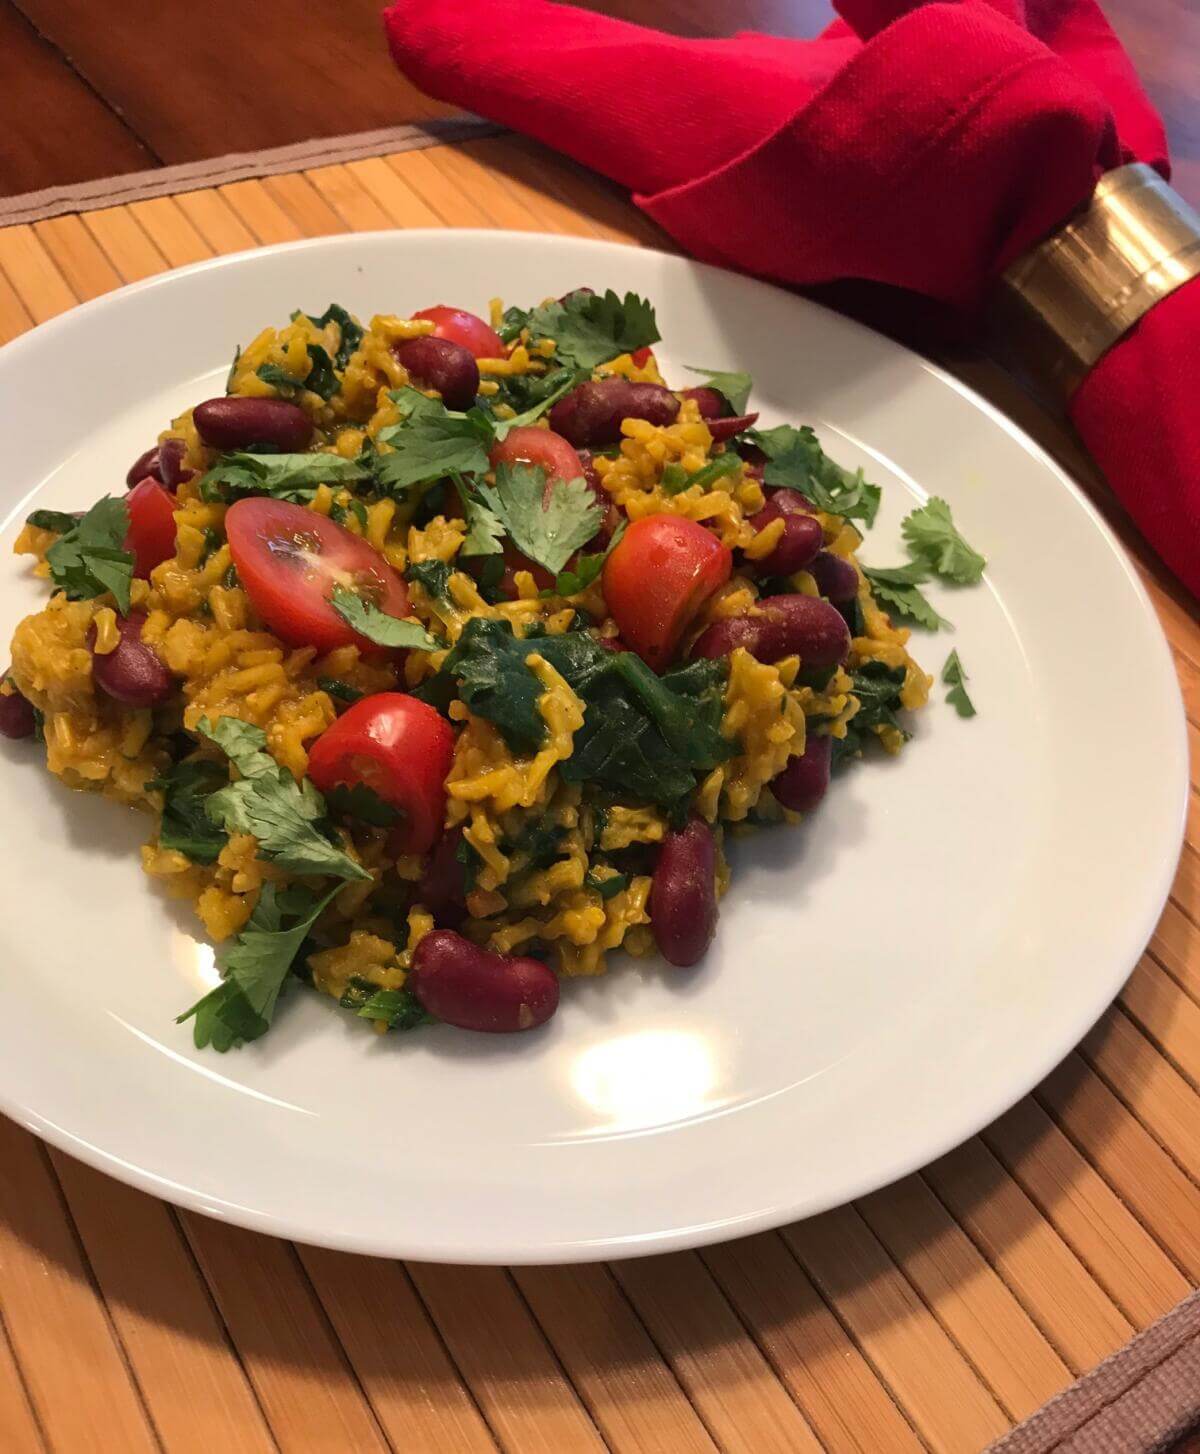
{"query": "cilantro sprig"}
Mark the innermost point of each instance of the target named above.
(295, 477)
(796, 461)
(734, 388)
(589, 329)
(186, 827)
(547, 523)
(90, 558)
(897, 587)
(933, 538)
(377, 626)
(956, 678)
(430, 442)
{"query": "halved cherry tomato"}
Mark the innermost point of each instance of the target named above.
(399, 748)
(151, 533)
(531, 445)
(662, 571)
(459, 326)
(641, 356)
(289, 559)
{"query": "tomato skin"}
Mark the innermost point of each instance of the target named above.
(469, 329)
(662, 571)
(151, 533)
(401, 749)
(530, 445)
(289, 559)
(642, 356)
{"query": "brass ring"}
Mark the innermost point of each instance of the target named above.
(1064, 303)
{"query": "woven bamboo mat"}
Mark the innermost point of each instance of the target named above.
(933, 1315)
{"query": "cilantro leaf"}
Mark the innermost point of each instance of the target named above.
(877, 688)
(60, 521)
(320, 378)
(377, 626)
(897, 586)
(398, 1009)
(430, 442)
(90, 558)
(933, 538)
(350, 331)
(547, 523)
(283, 814)
(433, 576)
(733, 388)
(295, 477)
(592, 328)
(676, 479)
(956, 678)
(570, 377)
(255, 968)
(485, 530)
(186, 827)
(587, 567)
(796, 461)
(359, 801)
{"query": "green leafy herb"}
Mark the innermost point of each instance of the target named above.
(343, 691)
(430, 442)
(587, 567)
(898, 587)
(877, 688)
(538, 844)
(57, 520)
(283, 814)
(186, 827)
(547, 524)
(607, 886)
(90, 558)
(295, 477)
(511, 324)
(363, 803)
(956, 678)
(796, 461)
(356, 508)
(320, 379)
(733, 388)
(933, 538)
(643, 736)
(350, 331)
(255, 967)
(675, 479)
(398, 1009)
(485, 530)
(433, 576)
(377, 626)
(564, 380)
(591, 328)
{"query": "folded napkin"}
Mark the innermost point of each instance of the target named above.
(922, 146)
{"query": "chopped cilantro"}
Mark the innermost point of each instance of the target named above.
(59, 521)
(295, 477)
(377, 626)
(933, 538)
(186, 827)
(351, 333)
(255, 967)
(564, 380)
(398, 1009)
(320, 378)
(267, 802)
(356, 508)
(897, 587)
(877, 688)
(546, 523)
(433, 576)
(606, 886)
(796, 461)
(675, 479)
(956, 678)
(90, 558)
(733, 388)
(592, 328)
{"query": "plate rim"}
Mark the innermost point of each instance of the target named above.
(921, 1150)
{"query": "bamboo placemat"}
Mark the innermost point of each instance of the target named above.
(933, 1315)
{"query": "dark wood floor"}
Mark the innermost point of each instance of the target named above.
(87, 91)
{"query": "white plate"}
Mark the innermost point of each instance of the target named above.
(886, 979)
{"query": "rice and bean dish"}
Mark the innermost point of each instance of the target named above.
(443, 653)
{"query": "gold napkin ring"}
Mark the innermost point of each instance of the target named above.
(1064, 303)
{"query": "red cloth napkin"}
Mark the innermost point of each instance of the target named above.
(924, 146)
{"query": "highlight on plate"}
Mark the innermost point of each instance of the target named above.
(443, 654)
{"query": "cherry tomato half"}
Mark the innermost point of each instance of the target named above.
(642, 356)
(530, 445)
(289, 559)
(151, 533)
(399, 748)
(662, 571)
(459, 326)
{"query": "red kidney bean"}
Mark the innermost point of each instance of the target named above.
(591, 414)
(170, 463)
(236, 423)
(472, 988)
(683, 894)
(653, 403)
(16, 714)
(146, 466)
(802, 538)
(443, 888)
(802, 783)
(722, 429)
(804, 626)
(789, 502)
(836, 578)
(133, 673)
(711, 403)
(438, 363)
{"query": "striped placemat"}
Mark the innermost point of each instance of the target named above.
(935, 1315)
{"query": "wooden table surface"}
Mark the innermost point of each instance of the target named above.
(930, 1316)
(170, 81)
